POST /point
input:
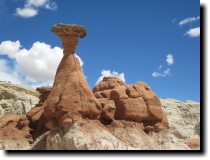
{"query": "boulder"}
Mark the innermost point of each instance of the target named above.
(134, 102)
(153, 105)
(108, 111)
(132, 109)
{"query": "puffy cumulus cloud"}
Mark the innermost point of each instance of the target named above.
(193, 32)
(188, 20)
(108, 73)
(26, 12)
(169, 59)
(9, 48)
(31, 7)
(33, 66)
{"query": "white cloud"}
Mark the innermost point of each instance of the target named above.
(157, 74)
(35, 65)
(36, 3)
(188, 20)
(169, 59)
(193, 32)
(9, 48)
(165, 73)
(108, 73)
(31, 7)
(51, 6)
(26, 12)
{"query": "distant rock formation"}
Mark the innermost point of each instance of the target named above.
(16, 99)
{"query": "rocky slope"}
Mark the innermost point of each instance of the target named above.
(183, 117)
(183, 132)
(16, 99)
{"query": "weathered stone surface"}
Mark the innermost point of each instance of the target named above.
(108, 111)
(21, 144)
(44, 92)
(81, 137)
(16, 99)
(70, 92)
(15, 127)
(135, 102)
(193, 143)
(153, 105)
(131, 92)
(108, 83)
(183, 117)
(132, 109)
(141, 85)
(168, 141)
(118, 93)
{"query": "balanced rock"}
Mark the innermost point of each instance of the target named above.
(70, 98)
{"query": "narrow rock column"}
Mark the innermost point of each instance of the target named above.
(71, 97)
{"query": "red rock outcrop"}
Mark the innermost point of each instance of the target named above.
(15, 127)
(44, 92)
(70, 98)
(135, 102)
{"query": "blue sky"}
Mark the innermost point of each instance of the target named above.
(132, 37)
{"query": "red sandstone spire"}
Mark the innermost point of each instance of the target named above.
(71, 97)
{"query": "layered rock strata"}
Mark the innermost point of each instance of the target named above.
(16, 99)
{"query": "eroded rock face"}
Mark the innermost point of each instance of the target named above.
(16, 99)
(92, 135)
(183, 117)
(15, 127)
(135, 102)
(115, 116)
(70, 98)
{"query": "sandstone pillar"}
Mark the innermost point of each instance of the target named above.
(71, 97)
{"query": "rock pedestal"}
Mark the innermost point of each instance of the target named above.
(70, 98)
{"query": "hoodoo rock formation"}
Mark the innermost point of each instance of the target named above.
(69, 115)
(70, 98)
(135, 102)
